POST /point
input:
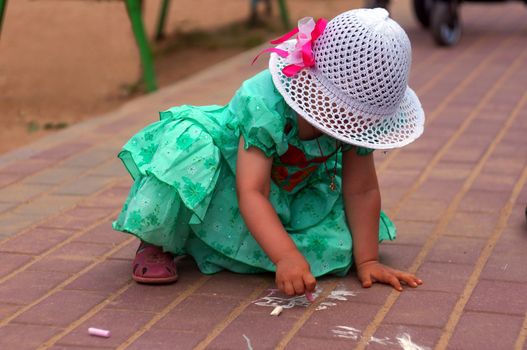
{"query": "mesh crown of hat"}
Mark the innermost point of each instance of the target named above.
(357, 91)
(365, 60)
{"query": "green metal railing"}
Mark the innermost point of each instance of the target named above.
(3, 4)
(134, 12)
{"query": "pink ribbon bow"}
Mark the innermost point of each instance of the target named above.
(302, 55)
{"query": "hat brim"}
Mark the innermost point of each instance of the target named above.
(344, 120)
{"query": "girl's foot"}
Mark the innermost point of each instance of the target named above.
(153, 266)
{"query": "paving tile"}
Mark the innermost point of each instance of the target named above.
(81, 250)
(483, 201)
(114, 127)
(505, 268)
(394, 336)
(19, 193)
(10, 262)
(54, 176)
(85, 185)
(517, 218)
(15, 336)
(309, 343)
(76, 218)
(69, 265)
(198, 313)
(444, 277)
(112, 169)
(26, 167)
(143, 297)
(121, 323)
(397, 255)
(391, 197)
(27, 286)
(466, 154)
(7, 310)
(375, 295)
(495, 182)
(228, 284)
(73, 347)
(110, 276)
(428, 144)
(477, 133)
(104, 234)
(485, 331)
(167, 339)
(413, 232)
(128, 251)
(62, 151)
(35, 241)
(403, 177)
(499, 164)
(421, 308)
(7, 206)
(471, 224)
(349, 314)
(450, 170)
(507, 261)
(499, 297)
(456, 249)
(249, 327)
(46, 205)
(422, 210)
(438, 190)
(61, 308)
(112, 197)
(89, 159)
(8, 179)
(413, 160)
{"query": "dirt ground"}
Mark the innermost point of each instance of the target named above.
(64, 61)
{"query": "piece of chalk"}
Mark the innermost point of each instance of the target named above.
(309, 297)
(99, 332)
(277, 311)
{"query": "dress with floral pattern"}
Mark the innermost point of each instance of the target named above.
(184, 196)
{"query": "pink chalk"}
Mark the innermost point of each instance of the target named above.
(309, 297)
(99, 332)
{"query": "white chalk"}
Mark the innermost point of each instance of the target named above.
(309, 297)
(99, 332)
(277, 311)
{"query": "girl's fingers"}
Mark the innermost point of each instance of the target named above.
(366, 281)
(409, 279)
(310, 282)
(288, 288)
(280, 285)
(298, 285)
(394, 281)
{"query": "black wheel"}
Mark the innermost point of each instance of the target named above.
(371, 4)
(444, 22)
(422, 10)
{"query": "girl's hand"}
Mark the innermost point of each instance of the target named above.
(293, 275)
(370, 272)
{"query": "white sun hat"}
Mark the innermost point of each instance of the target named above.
(354, 86)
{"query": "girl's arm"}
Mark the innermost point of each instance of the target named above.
(253, 182)
(362, 201)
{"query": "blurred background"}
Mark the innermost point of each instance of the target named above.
(62, 61)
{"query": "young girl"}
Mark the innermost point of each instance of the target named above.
(282, 178)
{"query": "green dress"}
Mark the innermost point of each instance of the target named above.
(184, 197)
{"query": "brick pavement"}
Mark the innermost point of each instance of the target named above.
(457, 196)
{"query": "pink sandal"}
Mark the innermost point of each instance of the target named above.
(153, 266)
